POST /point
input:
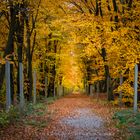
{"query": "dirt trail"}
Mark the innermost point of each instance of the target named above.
(75, 117)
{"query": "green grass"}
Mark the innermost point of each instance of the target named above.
(35, 113)
(129, 123)
(32, 114)
(9, 117)
(35, 109)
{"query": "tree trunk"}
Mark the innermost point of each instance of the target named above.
(20, 38)
(9, 49)
(115, 10)
(29, 67)
(107, 75)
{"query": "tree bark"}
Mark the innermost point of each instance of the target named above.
(107, 75)
(19, 37)
(9, 48)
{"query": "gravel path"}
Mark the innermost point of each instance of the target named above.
(75, 120)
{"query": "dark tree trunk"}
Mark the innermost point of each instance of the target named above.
(54, 67)
(107, 75)
(9, 49)
(20, 38)
(30, 78)
(29, 64)
(29, 61)
(51, 47)
(97, 8)
(115, 10)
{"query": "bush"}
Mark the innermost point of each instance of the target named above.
(8, 117)
(3, 118)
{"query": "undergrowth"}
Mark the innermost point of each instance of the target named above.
(32, 114)
(9, 117)
(129, 124)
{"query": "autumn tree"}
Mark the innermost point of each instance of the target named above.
(96, 24)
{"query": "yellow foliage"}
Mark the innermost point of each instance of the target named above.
(127, 92)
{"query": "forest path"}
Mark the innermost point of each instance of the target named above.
(74, 117)
(76, 120)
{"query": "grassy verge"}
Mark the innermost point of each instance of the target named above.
(9, 117)
(129, 124)
(36, 115)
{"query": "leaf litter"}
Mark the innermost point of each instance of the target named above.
(74, 117)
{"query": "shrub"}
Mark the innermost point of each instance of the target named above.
(3, 118)
(7, 117)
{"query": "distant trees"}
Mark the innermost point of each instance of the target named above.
(108, 29)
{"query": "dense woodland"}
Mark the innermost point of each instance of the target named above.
(74, 43)
(52, 48)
